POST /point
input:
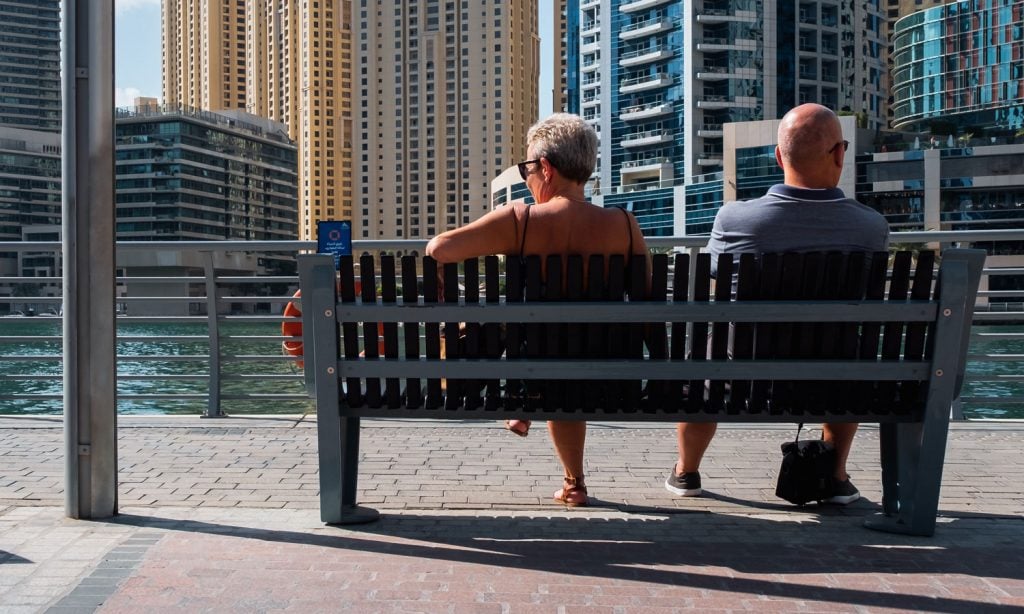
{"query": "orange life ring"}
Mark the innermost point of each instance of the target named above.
(293, 328)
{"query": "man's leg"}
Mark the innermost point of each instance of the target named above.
(693, 441)
(840, 435)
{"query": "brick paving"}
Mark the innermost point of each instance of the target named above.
(221, 515)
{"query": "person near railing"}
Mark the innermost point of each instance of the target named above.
(561, 154)
(806, 213)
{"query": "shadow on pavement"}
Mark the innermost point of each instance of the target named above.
(666, 549)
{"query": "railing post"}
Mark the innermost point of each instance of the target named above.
(213, 409)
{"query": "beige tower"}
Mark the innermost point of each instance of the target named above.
(292, 67)
(446, 92)
(560, 48)
(204, 54)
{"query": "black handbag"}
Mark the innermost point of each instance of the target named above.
(807, 470)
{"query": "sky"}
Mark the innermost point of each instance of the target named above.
(137, 51)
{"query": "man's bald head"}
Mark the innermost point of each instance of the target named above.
(806, 134)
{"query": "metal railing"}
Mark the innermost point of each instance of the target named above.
(216, 346)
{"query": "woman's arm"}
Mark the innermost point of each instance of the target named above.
(494, 233)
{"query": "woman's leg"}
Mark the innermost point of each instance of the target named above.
(569, 439)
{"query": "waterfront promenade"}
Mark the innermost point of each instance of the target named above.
(221, 516)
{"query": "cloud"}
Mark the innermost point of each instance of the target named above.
(123, 6)
(125, 96)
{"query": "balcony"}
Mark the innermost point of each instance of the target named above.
(715, 101)
(644, 170)
(645, 111)
(721, 73)
(589, 3)
(592, 82)
(593, 47)
(590, 66)
(649, 137)
(710, 131)
(711, 16)
(590, 101)
(646, 28)
(590, 27)
(644, 83)
(644, 56)
(710, 43)
(640, 5)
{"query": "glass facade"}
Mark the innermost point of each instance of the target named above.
(756, 171)
(962, 62)
(29, 184)
(661, 78)
(646, 63)
(181, 178)
(703, 200)
(30, 64)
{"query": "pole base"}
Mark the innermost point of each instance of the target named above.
(895, 524)
(356, 514)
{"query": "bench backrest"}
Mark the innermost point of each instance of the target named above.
(796, 336)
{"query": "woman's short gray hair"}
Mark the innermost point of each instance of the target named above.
(568, 142)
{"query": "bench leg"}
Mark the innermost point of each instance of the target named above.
(888, 447)
(339, 472)
(912, 507)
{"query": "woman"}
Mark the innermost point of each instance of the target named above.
(561, 152)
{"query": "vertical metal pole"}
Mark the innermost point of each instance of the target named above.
(90, 388)
(213, 332)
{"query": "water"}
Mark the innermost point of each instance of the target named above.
(36, 327)
(157, 368)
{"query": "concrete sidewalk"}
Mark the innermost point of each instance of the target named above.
(221, 515)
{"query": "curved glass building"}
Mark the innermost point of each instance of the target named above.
(963, 63)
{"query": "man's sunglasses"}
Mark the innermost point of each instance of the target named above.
(524, 167)
(844, 144)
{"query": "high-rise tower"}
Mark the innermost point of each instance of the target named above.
(30, 64)
(446, 91)
(287, 60)
(659, 78)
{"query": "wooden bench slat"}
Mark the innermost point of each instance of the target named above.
(514, 274)
(410, 294)
(680, 292)
(432, 332)
(743, 335)
(453, 345)
(593, 395)
(492, 331)
(472, 343)
(575, 332)
(368, 279)
(699, 336)
(349, 329)
(389, 295)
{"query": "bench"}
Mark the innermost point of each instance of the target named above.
(797, 337)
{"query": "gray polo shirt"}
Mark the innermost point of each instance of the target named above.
(789, 219)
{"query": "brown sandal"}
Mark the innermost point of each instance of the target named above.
(518, 427)
(573, 493)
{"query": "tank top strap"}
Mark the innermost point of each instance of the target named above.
(526, 224)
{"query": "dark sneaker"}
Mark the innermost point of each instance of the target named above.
(685, 485)
(843, 493)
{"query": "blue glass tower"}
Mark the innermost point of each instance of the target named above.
(961, 63)
(660, 78)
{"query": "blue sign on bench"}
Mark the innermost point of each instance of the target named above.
(334, 237)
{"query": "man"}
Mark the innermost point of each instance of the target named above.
(806, 213)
